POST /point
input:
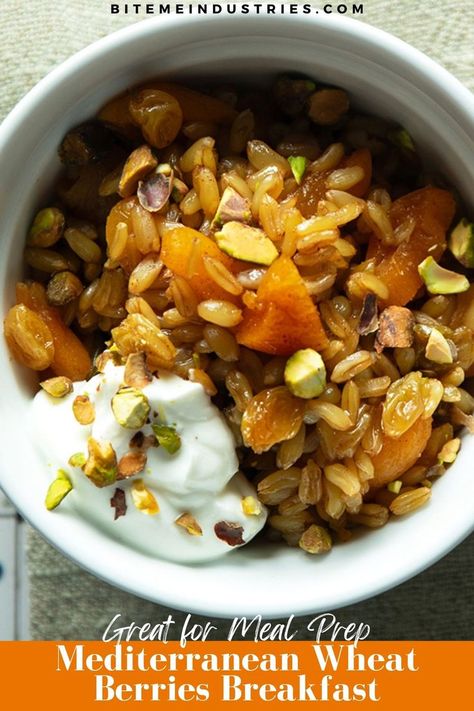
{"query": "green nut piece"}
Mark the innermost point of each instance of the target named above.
(461, 243)
(47, 228)
(167, 437)
(233, 207)
(58, 490)
(57, 387)
(298, 167)
(437, 348)
(78, 459)
(402, 139)
(101, 465)
(247, 243)
(305, 374)
(439, 280)
(131, 408)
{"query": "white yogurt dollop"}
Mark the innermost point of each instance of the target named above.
(199, 479)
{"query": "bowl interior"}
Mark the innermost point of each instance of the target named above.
(386, 78)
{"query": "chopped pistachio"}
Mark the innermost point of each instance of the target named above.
(395, 328)
(139, 163)
(395, 486)
(402, 138)
(101, 464)
(63, 287)
(251, 506)
(179, 190)
(190, 524)
(137, 374)
(247, 243)
(368, 320)
(298, 166)
(461, 243)
(130, 407)
(437, 348)
(143, 498)
(154, 192)
(47, 228)
(232, 207)
(111, 355)
(229, 532)
(315, 540)
(131, 463)
(57, 387)
(449, 451)
(78, 459)
(167, 437)
(83, 410)
(441, 281)
(305, 374)
(119, 503)
(58, 490)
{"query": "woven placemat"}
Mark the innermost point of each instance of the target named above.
(66, 602)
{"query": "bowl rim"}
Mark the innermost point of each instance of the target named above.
(455, 97)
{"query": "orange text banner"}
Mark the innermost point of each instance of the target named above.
(237, 675)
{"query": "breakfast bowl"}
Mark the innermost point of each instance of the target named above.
(385, 78)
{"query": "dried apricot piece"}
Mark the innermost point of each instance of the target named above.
(272, 416)
(29, 339)
(70, 357)
(284, 318)
(158, 114)
(433, 210)
(398, 455)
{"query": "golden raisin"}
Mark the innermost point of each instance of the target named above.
(158, 114)
(29, 338)
(272, 416)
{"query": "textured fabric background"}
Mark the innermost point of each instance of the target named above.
(67, 603)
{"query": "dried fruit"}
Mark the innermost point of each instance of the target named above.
(119, 503)
(58, 490)
(138, 164)
(83, 409)
(461, 243)
(137, 374)
(251, 506)
(167, 437)
(229, 532)
(328, 106)
(158, 115)
(439, 280)
(154, 192)
(291, 93)
(315, 540)
(101, 464)
(47, 228)
(403, 404)
(190, 524)
(272, 416)
(87, 143)
(232, 207)
(130, 464)
(130, 407)
(57, 387)
(395, 328)
(249, 244)
(29, 338)
(305, 374)
(143, 499)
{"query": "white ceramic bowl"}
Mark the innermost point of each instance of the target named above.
(385, 76)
